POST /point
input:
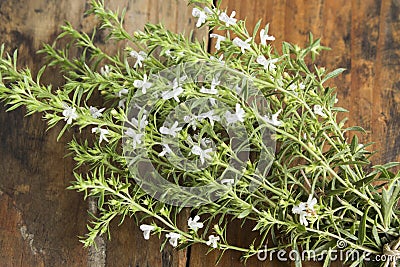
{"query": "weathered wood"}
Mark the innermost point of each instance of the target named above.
(34, 172)
(364, 37)
(40, 220)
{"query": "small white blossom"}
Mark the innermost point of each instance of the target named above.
(197, 13)
(235, 117)
(174, 93)
(194, 223)
(212, 91)
(305, 209)
(220, 38)
(168, 53)
(202, 153)
(220, 59)
(102, 132)
(228, 182)
(318, 110)
(136, 137)
(213, 101)
(269, 64)
(95, 112)
(140, 57)
(208, 91)
(212, 241)
(176, 82)
(265, 37)
(173, 238)
(244, 45)
(166, 149)
(211, 12)
(140, 125)
(142, 84)
(274, 119)
(105, 70)
(238, 89)
(69, 114)
(171, 131)
(228, 20)
(146, 230)
(209, 115)
(203, 141)
(123, 92)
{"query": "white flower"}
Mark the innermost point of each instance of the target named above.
(102, 132)
(203, 153)
(209, 115)
(140, 57)
(274, 119)
(121, 103)
(140, 124)
(69, 114)
(191, 120)
(212, 241)
(220, 38)
(242, 44)
(228, 20)
(174, 93)
(123, 92)
(211, 12)
(143, 84)
(318, 110)
(194, 224)
(176, 82)
(220, 59)
(105, 70)
(146, 230)
(265, 37)
(235, 117)
(168, 53)
(136, 137)
(213, 101)
(197, 13)
(165, 150)
(173, 238)
(208, 91)
(212, 91)
(305, 209)
(238, 89)
(269, 64)
(95, 112)
(228, 182)
(171, 131)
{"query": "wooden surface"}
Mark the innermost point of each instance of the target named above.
(40, 220)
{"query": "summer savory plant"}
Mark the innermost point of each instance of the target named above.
(246, 133)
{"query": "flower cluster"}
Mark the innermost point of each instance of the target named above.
(251, 134)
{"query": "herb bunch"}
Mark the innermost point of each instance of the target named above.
(318, 188)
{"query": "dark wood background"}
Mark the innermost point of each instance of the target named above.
(40, 220)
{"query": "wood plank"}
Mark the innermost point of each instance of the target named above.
(127, 246)
(33, 171)
(364, 37)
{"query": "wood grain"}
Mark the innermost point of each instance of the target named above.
(40, 220)
(364, 37)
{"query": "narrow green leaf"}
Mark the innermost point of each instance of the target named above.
(362, 229)
(333, 74)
